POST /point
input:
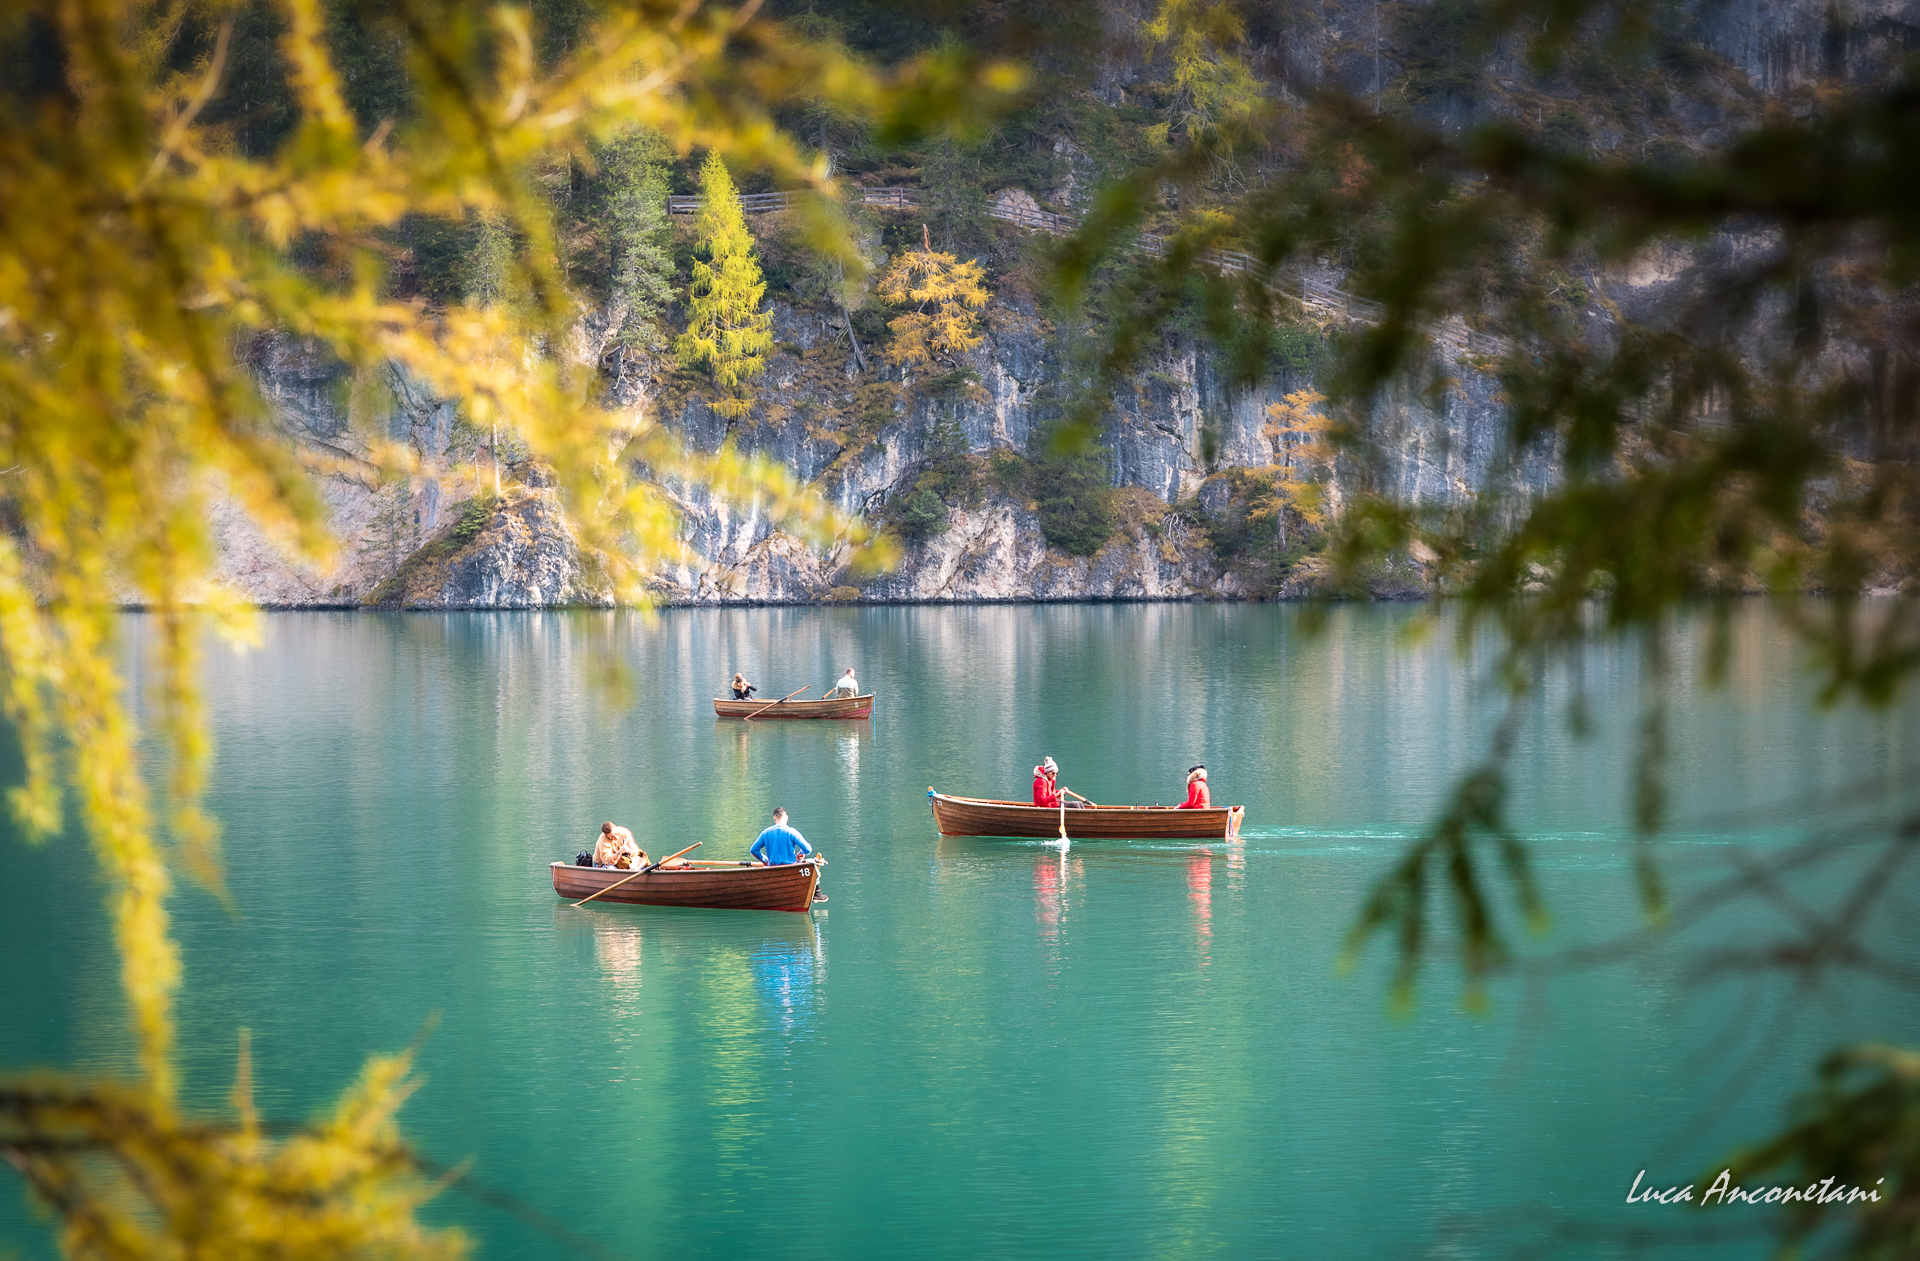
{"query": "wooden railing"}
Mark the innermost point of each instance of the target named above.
(1452, 332)
(760, 203)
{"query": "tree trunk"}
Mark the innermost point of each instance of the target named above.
(860, 360)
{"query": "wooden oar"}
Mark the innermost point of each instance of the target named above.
(783, 700)
(670, 857)
(636, 875)
(1069, 792)
(1063, 822)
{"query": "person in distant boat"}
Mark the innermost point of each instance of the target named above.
(845, 686)
(1045, 789)
(1197, 796)
(743, 690)
(617, 848)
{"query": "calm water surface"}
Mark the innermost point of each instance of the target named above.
(979, 1047)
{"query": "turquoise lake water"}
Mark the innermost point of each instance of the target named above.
(984, 1047)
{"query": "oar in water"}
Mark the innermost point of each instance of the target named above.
(783, 700)
(1065, 840)
(636, 875)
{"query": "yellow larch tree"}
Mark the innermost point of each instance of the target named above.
(946, 296)
(141, 250)
(1302, 456)
(1212, 81)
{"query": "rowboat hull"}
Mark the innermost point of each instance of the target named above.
(977, 816)
(755, 888)
(762, 711)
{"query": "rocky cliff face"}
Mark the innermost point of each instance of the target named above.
(1177, 436)
(420, 544)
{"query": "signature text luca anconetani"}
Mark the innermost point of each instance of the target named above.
(1722, 1191)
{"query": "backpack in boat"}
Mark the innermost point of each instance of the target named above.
(583, 859)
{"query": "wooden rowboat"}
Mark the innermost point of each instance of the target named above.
(839, 707)
(979, 816)
(720, 886)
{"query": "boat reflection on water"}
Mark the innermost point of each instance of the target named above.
(788, 973)
(1051, 871)
(1200, 893)
(848, 751)
(617, 947)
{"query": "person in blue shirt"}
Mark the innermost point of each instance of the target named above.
(781, 844)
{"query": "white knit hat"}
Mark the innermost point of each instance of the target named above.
(1046, 764)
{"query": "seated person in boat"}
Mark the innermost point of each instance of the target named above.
(780, 844)
(743, 690)
(844, 686)
(1197, 796)
(1045, 791)
(617, 848)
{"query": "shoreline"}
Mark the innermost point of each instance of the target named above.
(347, 607)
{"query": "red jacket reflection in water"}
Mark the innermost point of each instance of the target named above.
(1197, 796)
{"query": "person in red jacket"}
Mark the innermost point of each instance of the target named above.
(1197, 795)
(1044, 791)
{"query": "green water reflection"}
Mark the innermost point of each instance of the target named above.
(980, 1047)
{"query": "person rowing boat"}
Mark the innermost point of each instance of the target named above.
(1046, 791)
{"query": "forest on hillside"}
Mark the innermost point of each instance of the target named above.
(1112, 96)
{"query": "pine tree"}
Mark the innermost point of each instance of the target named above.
(946, 295)
(487, 276)
(392, 532)
(634, 216)
(728, 331)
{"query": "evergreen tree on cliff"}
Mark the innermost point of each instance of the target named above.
(728, 332)
(635, 222)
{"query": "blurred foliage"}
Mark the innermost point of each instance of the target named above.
(1859, 1127)
(343, 1186)
(161, 217)
(1753, 431)
(1756, 435)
